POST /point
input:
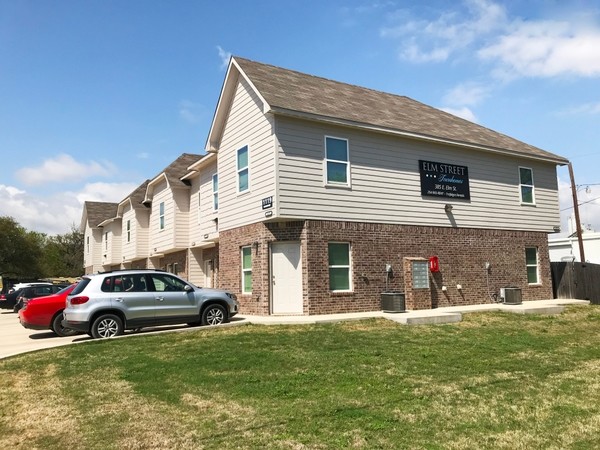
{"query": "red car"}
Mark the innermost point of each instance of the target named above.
(43, 313)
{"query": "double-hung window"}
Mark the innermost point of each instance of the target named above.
(247, 270)
(242, 169)
(161, 216)
(531, 260)
(337, 161)
(215, 191)
(129, 231)
(106, 240)
(526, 186)
(339, 266)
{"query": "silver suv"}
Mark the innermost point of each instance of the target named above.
(105, 304)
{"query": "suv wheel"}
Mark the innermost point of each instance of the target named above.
(214, 315)
(59, 330)
(106, 326)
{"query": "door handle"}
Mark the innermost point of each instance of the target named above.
(119, 299)
(160, 299)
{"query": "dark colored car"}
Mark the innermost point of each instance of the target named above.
(31, 292)
(45, 313)
(8, 301)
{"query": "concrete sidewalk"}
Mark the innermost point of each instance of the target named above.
(449, 314)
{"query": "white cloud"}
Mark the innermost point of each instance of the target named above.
(545, 49)
(56, 214)
(586, 109)
(143, 155)
(463, 112)
(436, 40)
(468, 93)
(225, 57)
(63, 168)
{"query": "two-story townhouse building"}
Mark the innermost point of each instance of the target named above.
(204, 221)
(168, 197)
(330, 194)
(96, 243)
(135, 228)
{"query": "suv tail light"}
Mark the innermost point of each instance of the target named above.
(2, 297)
(79, 300)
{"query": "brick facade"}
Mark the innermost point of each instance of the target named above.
(179, 258)
(462, 256)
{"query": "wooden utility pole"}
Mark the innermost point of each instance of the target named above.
(576, 209)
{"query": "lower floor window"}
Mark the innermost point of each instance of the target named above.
(247, 270)
(531, 260)
(339, 266)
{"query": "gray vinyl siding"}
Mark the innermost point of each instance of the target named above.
(385, 182)
(181, 221)
(202, 216)
(162, 240)
(246, 125)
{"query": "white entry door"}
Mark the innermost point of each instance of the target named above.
(286, 278)
(208, 273)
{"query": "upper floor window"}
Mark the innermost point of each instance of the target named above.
(106, 241)
(526, 185)
(339, 266)
(161, 216)
(199, 206)
(531, 260)
(87, 242)
(215, 191)
(129, 231)
(337, 161)
(242, 169)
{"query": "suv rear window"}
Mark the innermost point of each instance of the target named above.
(80, 286)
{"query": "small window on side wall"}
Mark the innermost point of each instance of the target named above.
(531, 260)
(526, 185)
(337, 161)
(247, 270)
(242, 169)
(339, 267)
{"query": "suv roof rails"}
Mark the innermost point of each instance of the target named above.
(131, 270)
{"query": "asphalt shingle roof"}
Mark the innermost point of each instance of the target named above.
(290, 91)
(98, 212)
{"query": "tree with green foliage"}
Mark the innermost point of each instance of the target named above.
(63, 254)
(20, 250)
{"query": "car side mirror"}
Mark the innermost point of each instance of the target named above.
(188, 288)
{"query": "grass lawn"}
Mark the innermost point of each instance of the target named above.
(495, 380)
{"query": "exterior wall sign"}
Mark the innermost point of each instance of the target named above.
(444, 180)
(267, 202)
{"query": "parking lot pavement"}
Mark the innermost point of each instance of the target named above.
(15, 339)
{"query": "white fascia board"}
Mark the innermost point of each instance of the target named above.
(234, 71)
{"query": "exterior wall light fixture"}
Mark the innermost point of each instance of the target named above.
(448, 207)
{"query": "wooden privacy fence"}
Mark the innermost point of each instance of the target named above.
(576, 280)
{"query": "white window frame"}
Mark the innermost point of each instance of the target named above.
(106, 240)
(88, 244)
(215, 192)
(522, 185)
(128, 228)
(245, 270)
(326, 160)
(245, 168)
(161, 216)
(536, 265)
(349, 267)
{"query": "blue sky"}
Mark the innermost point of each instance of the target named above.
(98, 95)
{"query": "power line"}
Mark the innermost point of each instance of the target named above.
(583, 203)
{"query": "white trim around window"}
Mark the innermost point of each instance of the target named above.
(215, 191)
(161, 216)
(526, 186)
(339, 256)
(336, 164)
(246, 263)
(243, 169)
(532, 264)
